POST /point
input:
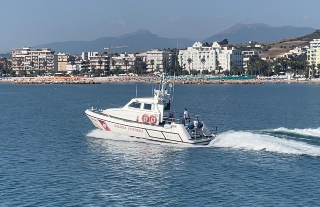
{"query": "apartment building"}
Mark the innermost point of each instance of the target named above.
(62, 61)
(313, 54)
(229, 58)
(157, 60)
(88, 55)
(247, 55)
(34, 59)
(123, 61)
(95, 61)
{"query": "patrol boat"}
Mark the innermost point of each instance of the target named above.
(152, 118)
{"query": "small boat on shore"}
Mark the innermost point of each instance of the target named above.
(152, 118)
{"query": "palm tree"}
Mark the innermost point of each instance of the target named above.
(45, 65)
(100, 63)
(189, 62)
(164, 65)
(19, 63)
(31, 65)
(152, 63)
(126, 63)
(219, 69)
(113, 62)
(203, 61)
(217, 66)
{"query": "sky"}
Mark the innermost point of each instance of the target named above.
(36, 22)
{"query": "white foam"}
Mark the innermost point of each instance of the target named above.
(304, 132)
(253, 141)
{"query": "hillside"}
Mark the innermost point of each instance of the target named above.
(140, 40)
(243, 33)
(281, 47)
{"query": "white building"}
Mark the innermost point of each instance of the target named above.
(88, 55)
(230, 58)
(315, 44)
(76, 66)
(313, 54)
(198, 57)
(34, 59)
(157, 60)
(247, 55)
(201, 58)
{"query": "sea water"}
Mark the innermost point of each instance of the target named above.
(267, 152)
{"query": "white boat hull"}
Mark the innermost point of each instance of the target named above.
(174, 133)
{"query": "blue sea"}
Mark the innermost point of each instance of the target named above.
(267, 152)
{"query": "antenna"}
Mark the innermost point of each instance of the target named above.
(136, 91)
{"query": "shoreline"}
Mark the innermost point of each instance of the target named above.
(98, 80)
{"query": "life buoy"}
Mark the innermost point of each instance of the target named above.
(153, 119)
(145, 118)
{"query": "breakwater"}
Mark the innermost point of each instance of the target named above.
(56, 80)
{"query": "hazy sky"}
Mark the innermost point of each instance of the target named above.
(35, 22)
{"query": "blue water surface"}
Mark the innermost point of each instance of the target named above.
(267, 152)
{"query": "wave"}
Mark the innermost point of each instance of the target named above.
(257, 142)
(302, 132)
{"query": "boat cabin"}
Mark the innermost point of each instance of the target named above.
(152, 110)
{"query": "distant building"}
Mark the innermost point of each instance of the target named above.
(199, 57)
(313, 54)
(88, 55)
(315, 44)
(34, 59)
(123, 61)
(62, 61)
(95, 60)
(157, 60)
(76, 66)
(190, 59)
(247, 55)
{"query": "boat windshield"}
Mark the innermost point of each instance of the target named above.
(135, 105)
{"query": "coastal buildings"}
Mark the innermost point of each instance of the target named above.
(62, 61)
(88, 55)
(247, 55)
(29, 59)
(123, 61)
(230, 59)
(100, 62)
(313, 54)
(199, 57)
(210, 58)
(157, 60)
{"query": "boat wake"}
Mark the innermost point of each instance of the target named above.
(300, 132)
(258, 142)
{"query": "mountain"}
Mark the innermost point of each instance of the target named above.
(243, 33)
(140, 40)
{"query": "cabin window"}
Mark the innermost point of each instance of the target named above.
(167, 106)
(147, 106)
(135, 105)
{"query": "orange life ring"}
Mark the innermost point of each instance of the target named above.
(153, 119)
(145, 118)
